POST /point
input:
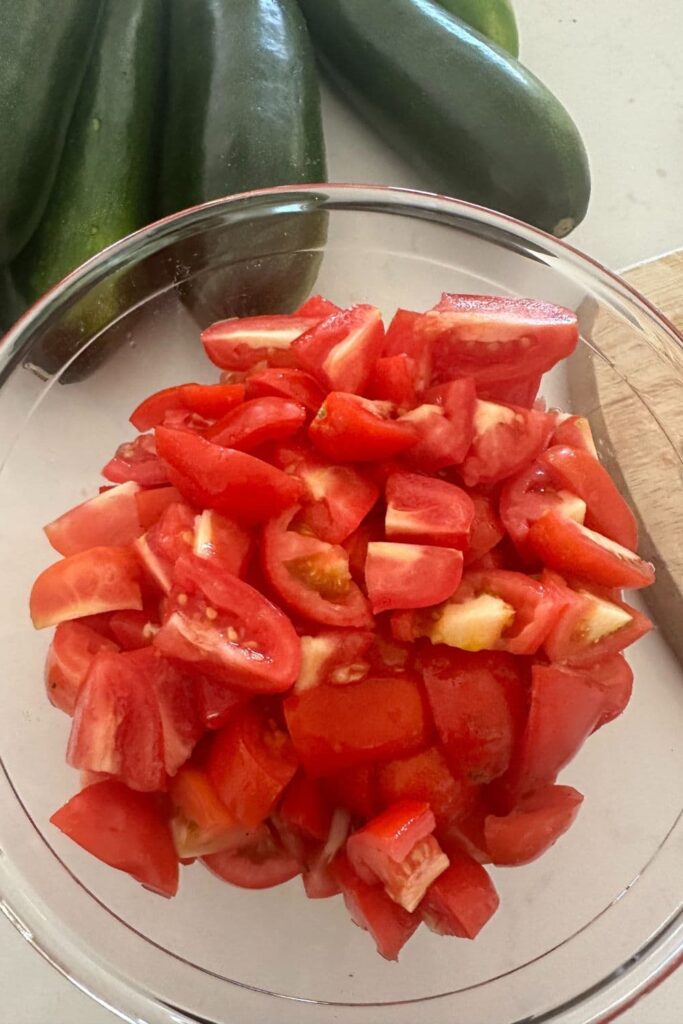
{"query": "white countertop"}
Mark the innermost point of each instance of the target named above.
(617, 67)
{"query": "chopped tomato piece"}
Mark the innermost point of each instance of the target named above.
(402, 337)
(202, 823)
(458, 400)
(372, 910)
(427, 511)
(318, 878)
(506, 439)
(229, 629)
(132, 630)
(533, 826)
(338, 727)
(207, 400)
(479, 704)
(580, 473)
(259, 862)
(439, 442)
(249, 764)
(334, 656)
(286, 382)
(577, 551)
(393, 380)
(102, 579)
(317, 306)
(217, 702)
(614, 676)
(574, 431)
(527, 496)
(223, 541)
(424, 776)
(341, 350)
(486, 530)
(152, 502)
(137, 461)
(232, 482)
(305, 806)
(311, 576)
(242, 342)
(125, 830)
(348, 428)
(170, 537)
(410, 575)
(255, 422)
(69, 658)
(111, 518)
(461, 900)
(521, 391)
(355, 789)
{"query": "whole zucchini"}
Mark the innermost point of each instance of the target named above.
(104, 185)
(495, 19)
(43, 54)
(474, 120)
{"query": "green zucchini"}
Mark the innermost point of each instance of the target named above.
(43, 54)
(494, 19)
(475, 122)
(104, 187)
(242, 113)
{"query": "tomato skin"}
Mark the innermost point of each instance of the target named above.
(242, 342)
(201, 824)
(137, 461)
(256, 422)
(606, 511)
(286, 382)
(233, 483)
(102, 579)
(190, 634)
(403, 338)
(217, 702)
(249, 764)
(355, 789)
(260, 862)
(410, 575)
(521, 391)
(486, 530)
(458, 400)
(573, 550)
(339, 727)
(479, 704)
(312, 577)
(393, 380)
(306, 807)
(427, 511)
(317, 306)
(341, 350)
(207, 400)
(371, 909)
(153, 502)
(533, 826)
(348, 428)
(125, 830)
(614, 676)
(574, 431)
(71, 653)
(424, 776)
(108, 519)
(439, 443)
(506, 439)
(461, 900)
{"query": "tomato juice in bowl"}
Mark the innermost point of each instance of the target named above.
(413, 247)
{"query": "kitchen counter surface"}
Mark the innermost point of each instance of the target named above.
(618, 70)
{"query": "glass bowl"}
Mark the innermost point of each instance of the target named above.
(581, 932)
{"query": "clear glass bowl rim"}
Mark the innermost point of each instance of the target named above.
(663, 953)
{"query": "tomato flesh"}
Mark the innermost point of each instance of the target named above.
(341, 350)
(535, 824)
(410, 575)
(427, 511)
(242, 342)
(352, 429)
(102, 579)
(372, 910)
(71, 654)
(259, 862)
(461, 900)
(209, 401)
(256, 422)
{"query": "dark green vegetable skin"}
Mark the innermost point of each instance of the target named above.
(43, 53)
(475, 121)
(243, 107)
(495, 19)
(104, 187)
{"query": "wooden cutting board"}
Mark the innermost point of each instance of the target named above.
(633, 445)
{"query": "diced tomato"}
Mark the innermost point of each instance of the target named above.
(486, 530)
(318, 877)
(458, 400)
(137, 461)
(334, 656)
(580, 473)
(574, 431)
(521, 391)
(337, 727)
(338, 499)
(372, 910)
(207, 400)
(202, 823)
(393, 380)
(410, 575)
(305, 806)
(256, 422)
(177, 700)
(565, 708)
(356, 546)
(535, 824)
(229, 629)
(317, 306)
(110, 518)
(234, 483)
(217, 702)
(465, 834)
(479, 704)
(102, 579)
(223, 541)
(575, 550)
(402, 337)
(439, 443)
(590, 625)
(614, 676)
(249, 764)
(355, 789)
(153, 502)
(132, 630)
(427, 511)
(125, 830)
(69, 658)
(163, 544)
(526, 496)
(424, 776)
(311, 576)
(259, 862)
(461, 900)
(286, 382)
(495, 338)
(506, 439)
(341, 350)
(242, 342)
(348, 428)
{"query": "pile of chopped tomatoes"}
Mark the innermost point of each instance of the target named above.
(345, 614)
